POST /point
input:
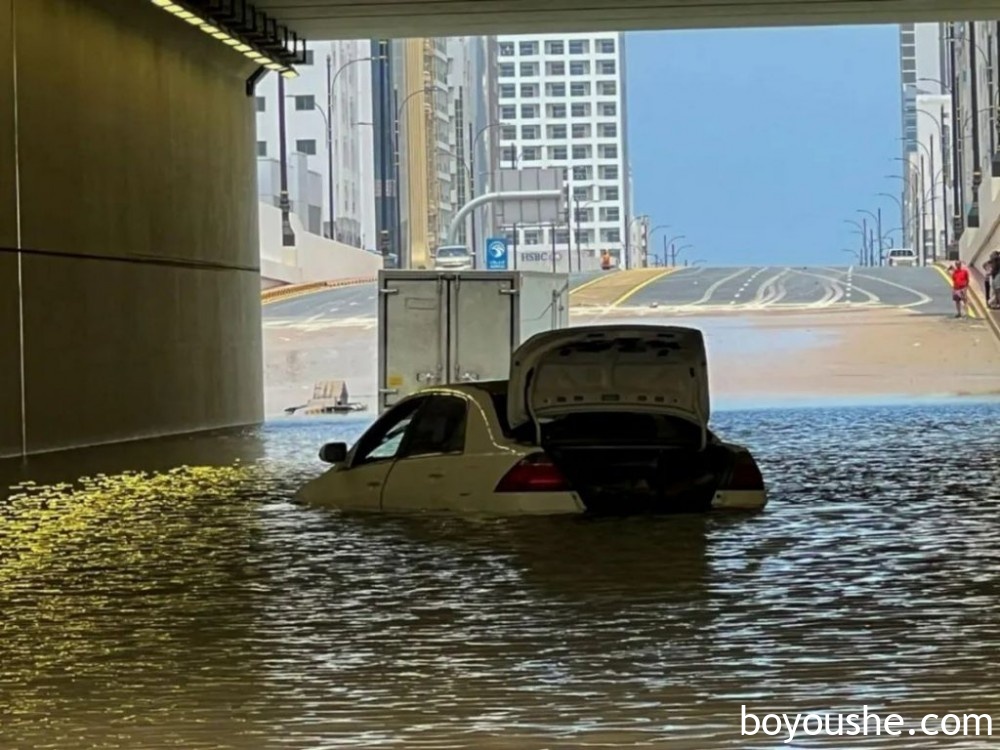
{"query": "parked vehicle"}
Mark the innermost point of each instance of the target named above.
(436, 328)
(601, 420)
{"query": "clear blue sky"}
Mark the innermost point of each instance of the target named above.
(757, 144)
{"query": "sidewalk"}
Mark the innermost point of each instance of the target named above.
(992, 317)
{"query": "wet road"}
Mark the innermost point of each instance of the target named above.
(923, 290)
(200, 608)
(355, 304)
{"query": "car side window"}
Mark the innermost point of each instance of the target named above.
(382, 440)
(439, 427)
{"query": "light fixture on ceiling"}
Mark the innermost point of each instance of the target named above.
(243, 28)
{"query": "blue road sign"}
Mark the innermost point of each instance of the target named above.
(496, 254)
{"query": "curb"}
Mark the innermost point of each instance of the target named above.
(982, 307)
(297, 290)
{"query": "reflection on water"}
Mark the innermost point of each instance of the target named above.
(199, 608)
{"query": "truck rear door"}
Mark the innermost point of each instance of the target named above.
(481, 326)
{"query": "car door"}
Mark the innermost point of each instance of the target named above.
(358, 483)
(428, 472)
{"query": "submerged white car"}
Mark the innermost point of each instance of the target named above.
(603, 420)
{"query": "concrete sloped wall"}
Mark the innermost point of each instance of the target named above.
(313, 258)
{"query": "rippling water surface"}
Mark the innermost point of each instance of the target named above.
(199, 608)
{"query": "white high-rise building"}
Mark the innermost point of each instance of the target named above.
(344, 68)
(562, 105)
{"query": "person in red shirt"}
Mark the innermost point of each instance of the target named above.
(960, 287)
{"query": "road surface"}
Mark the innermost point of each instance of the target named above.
(704, 290)
(773, 334)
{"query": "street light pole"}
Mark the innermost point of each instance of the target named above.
(329, 143)
(287, 235)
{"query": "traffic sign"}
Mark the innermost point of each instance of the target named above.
(496, 254)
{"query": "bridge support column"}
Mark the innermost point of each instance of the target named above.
(129, 282)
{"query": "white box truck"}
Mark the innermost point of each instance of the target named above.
(438, 327)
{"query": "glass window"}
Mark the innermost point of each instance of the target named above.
(555, 89)
(606, 46)
(581, 109)
(508, 112)
(609, 193)
(610, 214)
(529, 111)
(261, 104)
(582, 193)
(531, 153)
(438, 427)
(261, 148)
(509, 155)
(579, 68)
(529, 69)
(606, 67)
(607, 88)
(579, 46)
(306, 146)
(531, 132)
(382, 440)
(532, 237)
(581, 130)
(607, 109)
(557, 153)
(607, 130)
(557, 111)
(506, 49)
(611, 235)
(529, 90)
(557, 132)
(555, 47)
(557, 68)
(506, 70)
(608, 151)
(310, 57)
(528, 48)
(583, 173)
(609, 172)
(580, 88)
(584, 215)
(305, 102)
(586, 236)
(582, 152)
(508, 133)
(508, 91)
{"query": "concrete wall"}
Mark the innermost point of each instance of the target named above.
(313, 258)
(135, 200)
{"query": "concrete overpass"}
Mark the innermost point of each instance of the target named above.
(129, 278)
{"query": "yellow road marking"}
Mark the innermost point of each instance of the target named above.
(971, 309)
(586, 284)
(639, 287)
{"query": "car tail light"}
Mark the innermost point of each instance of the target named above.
(534, 473)
(745, 474)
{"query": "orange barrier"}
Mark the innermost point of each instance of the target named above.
(296, 290)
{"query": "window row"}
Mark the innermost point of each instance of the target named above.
(303, 103)
(576, 88)
(564, 153)
(559, 132)
(558, 111)
(531, 47)
(305, 146)
(557, 68)
(585, 193)
(543, 236)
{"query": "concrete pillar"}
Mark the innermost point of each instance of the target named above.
(129, 283)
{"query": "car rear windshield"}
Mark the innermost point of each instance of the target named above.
(452, 252)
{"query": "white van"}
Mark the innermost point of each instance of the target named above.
(902, 256)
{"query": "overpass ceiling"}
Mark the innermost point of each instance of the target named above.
(368, 19)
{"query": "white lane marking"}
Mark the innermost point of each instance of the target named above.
(353, 304)
(332, 310)
(371, 296)
(922, 299)
(714, 287)
(294, 324)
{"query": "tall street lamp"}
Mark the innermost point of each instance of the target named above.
(670, 243)
(878, 229)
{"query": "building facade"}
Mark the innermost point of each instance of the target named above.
(562, 105)
(430, 94)
(328, 115)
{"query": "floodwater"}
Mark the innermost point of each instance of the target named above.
(199, 608)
